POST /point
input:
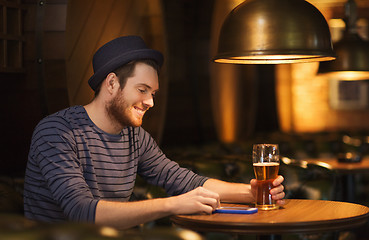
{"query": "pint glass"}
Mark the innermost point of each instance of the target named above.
(266, 165)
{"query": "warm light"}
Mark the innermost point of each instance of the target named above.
(302, 98)
(336, 23)
(227, 104)
(348, 75)
(323, 165)
(109, 232)
(306, 103)
(351, 141)
(186, 234)
(274, 59)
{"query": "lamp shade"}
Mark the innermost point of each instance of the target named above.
(273, 32)
(352, 61)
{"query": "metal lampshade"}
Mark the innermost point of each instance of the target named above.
(274, 32)
(352, 51)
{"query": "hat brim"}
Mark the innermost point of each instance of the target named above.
(119, 61)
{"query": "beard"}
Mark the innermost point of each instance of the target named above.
(119, 111)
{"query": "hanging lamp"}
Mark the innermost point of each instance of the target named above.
(274, 32)
(352, 61)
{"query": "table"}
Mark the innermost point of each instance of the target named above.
(334, 164)
(344, 173)
(296, 216)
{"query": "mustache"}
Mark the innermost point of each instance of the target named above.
(142, 107)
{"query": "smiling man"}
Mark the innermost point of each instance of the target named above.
(83, 160)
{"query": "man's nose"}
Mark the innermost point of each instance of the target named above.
(149, 102)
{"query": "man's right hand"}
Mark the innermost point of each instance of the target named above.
(199, 200)
(123, 215)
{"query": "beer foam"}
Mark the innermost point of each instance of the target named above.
(266, 164)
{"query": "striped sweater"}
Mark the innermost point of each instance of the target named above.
(72, 164)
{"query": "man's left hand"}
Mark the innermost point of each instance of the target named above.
(276, 191)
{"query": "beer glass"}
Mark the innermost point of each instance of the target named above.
(265, 159)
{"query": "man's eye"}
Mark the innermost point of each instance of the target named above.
(142, 90)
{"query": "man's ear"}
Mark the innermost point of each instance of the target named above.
(111, 82)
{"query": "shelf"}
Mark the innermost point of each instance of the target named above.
(11, 37)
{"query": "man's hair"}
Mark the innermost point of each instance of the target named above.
(126, 71)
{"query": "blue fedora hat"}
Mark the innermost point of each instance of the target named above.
(118, 52)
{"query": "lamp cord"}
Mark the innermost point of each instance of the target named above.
(351, 16)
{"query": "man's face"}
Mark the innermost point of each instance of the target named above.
(129, 105)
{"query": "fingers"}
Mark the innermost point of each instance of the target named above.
(253, 182)
(212, 202)
(208, 198)
(199, 200)
(277, 195)
(277, 191)
(278, 180)
(206, 209)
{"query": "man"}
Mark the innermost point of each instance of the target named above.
(83, 160)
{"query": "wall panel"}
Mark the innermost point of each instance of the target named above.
(90, 24)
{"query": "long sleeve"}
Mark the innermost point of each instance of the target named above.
(157, 169)
(54, 176)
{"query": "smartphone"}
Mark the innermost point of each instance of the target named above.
(236, 210)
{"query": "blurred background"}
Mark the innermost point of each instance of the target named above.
(49, 46)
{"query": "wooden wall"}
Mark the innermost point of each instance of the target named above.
(46, 86)
(189, 118)
(40, 89)
(90, 24)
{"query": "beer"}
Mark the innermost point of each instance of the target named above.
(266, 165)
(266, 170)
(265, 174)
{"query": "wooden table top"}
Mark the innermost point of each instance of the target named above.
(334, 164)
(296, 216)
